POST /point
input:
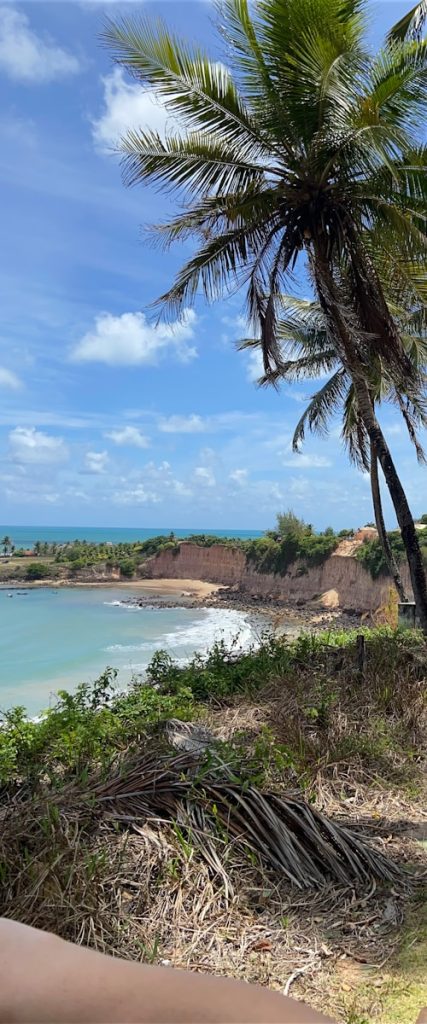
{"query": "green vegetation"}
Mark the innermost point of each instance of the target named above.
(6, 545)
(289, 717)
(293, 541)
(37, 571)
(83, 730)
(92, 726)
(371, 554)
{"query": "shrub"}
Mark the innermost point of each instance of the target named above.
(371, 554)
(37, 571)
(86, 729)
(276, 556)
(127, 567)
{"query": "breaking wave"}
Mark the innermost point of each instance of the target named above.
(212, 626)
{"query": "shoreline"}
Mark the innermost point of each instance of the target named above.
(192, 588)
(189, 593)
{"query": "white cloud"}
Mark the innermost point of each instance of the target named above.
(129, 436)
(75, 492)
(239, 476)
(126, 105)
(204, 476)
(128, 340)
(254, 364)
(300, 487)
(183, 425)
(138, 496)
(31, 497)
(307, 462)
(28, 445)
(96, 462)
(26, 56)
(181, 489)
(8, 379)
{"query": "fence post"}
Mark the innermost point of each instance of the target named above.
(406, 614)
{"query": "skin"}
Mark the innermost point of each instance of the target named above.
(44, 979)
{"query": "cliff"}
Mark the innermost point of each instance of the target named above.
(341, 581)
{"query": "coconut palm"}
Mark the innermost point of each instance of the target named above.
(6, 544)
(305, 355)
(311, 148)
(411, 25)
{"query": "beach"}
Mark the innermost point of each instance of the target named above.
(58, 637)
(196, 589)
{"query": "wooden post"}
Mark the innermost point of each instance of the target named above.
(406, 614)
(361, 654)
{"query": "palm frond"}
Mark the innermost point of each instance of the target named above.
(216, 214)
(323, 405)
(354, 433)
(286, 835)
(414, 415)
(410, 25)
(195, 162)
(200, 91)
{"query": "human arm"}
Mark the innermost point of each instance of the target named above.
(44, 979)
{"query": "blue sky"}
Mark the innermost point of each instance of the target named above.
(104, 418)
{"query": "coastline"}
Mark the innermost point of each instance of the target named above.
(197, 589)
(286, 617)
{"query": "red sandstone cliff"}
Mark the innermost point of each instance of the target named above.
(341, 581)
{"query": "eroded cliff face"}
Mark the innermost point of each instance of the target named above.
(340, 582)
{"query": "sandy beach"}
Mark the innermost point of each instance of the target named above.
(197, 589)
(177, 588)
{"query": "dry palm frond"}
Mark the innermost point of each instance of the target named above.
(287, 835)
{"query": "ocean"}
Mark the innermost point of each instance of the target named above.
(26, 536)
(54, 639)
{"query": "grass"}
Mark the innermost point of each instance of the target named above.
(298, 719)
(396, 993)
(407, 989)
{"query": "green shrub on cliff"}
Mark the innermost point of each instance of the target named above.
(293, 542)
(38, 571)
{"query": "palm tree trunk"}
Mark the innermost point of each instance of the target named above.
(332, 305)
(382, 532)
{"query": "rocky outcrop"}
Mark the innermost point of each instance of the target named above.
(340, 582)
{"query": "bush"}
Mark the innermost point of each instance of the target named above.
(371, 554)
(127, 567)
(84, 730)
(288, 524)
(37, 571)
(275, 556)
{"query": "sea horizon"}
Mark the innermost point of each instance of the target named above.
(26, 536)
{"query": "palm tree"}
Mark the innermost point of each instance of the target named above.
(312, 148)
(304, 354)
(6, 544)
(411, 25)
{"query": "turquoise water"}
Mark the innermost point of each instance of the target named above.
(52, 639)
(26, 536)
